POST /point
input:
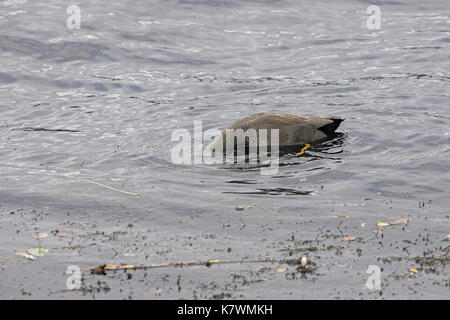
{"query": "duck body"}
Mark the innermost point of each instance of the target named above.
(293, 130)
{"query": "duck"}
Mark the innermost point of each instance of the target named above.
(293, 130)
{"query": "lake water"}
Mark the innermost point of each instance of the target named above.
(86, 118)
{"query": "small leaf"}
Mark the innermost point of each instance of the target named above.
(27, 256)
(378, 231)
(40, 235)
(382, 224)
(158, 290)
(63, 234)
(413, 270)
(304, 261)
(400, 221)
(128, 253)
(342, 217)
(38, 251)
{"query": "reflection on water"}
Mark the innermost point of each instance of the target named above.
(327, 149)
(274, 191)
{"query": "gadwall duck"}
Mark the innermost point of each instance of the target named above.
(293, 130)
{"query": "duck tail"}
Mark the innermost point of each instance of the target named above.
(330, 128)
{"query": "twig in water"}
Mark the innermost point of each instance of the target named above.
(101, 269)
(340, 229)
(111, 188)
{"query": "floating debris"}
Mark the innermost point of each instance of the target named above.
(378, 231)
(304, 261)
(101, 269)
(38, 251)
(64, 234)
(210, 262)
(111, 188)
(400, 221)
(382, 224)
(123, 266)
(413, 271)
(27, 256)
(158, 290)
(40, 235)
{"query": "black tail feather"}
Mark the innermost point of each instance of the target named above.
(330, 128)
